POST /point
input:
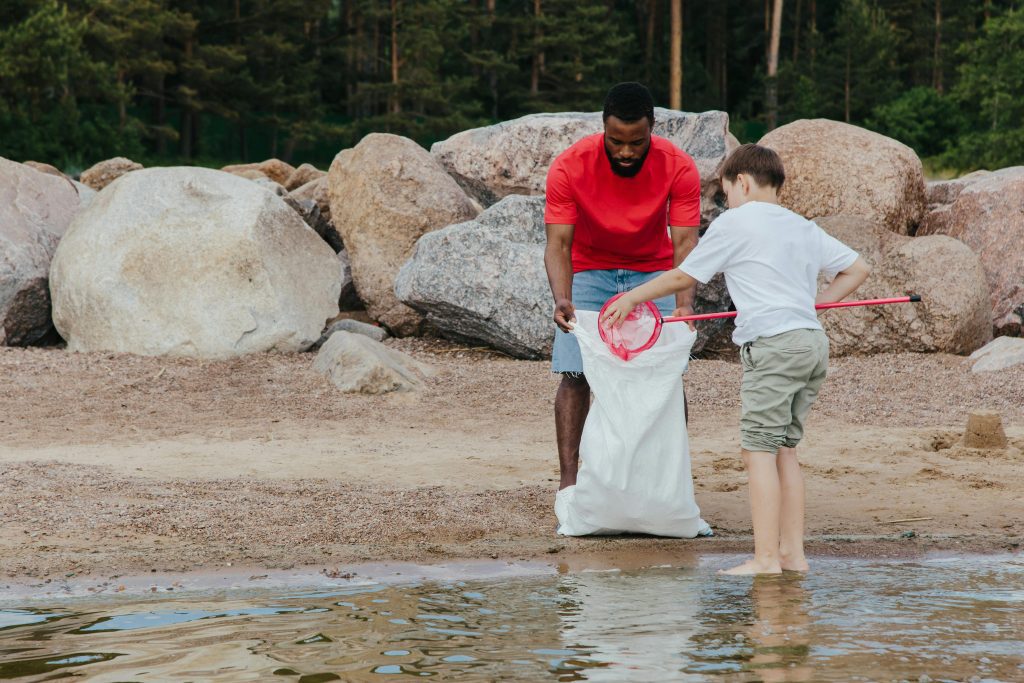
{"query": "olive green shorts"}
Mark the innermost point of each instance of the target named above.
(781, 378)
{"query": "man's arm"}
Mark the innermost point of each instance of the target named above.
(684, 239)
(558, 263)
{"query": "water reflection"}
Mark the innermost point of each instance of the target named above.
(950, 620)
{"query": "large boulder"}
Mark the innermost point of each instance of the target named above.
(275, 169)
(834, 168)
(306, 173)
(35, 211)
(317, 191)
(386, 193)
(105, 172)
(985, 211)
(953, 314)
(513, 157)
(484, 281)
(355, 363)
(191, 262)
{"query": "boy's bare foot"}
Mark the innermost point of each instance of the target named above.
(751, 567)
(794, 564)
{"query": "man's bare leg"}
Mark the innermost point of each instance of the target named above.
(791, 534)
(572, 403)
(765, 505)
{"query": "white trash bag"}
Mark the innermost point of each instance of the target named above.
(634, 472)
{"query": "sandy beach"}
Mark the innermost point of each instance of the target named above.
(117, 464)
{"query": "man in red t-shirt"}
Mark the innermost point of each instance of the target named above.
(623, 206)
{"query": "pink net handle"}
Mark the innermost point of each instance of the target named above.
(637, 333)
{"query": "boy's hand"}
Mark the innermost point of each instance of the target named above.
(618, 310)
(685, 310)
(565, 313)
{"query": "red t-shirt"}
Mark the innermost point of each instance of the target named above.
(622, 222)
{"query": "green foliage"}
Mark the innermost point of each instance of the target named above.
(186, 81)
(921, 118)
(989, 90)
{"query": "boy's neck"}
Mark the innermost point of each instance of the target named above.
(768, 195)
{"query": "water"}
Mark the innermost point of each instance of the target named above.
(943, 619)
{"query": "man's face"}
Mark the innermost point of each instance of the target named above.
(626, 144)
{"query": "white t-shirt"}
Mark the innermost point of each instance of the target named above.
(771, 258)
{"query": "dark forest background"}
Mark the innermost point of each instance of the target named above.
(184, 81)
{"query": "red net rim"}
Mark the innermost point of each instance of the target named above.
(619, 350)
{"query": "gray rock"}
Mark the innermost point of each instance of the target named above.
(355, 327)
(269, 184)
(348, 300)
(385, 193)
(191, 262)
(316, 190)
(998, 354)
(356, 363)
(484, 281)
(513, 157)
(85, 194)
(35, 211)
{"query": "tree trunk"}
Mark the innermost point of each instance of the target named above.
(492, 9)
(846, 87)
(652, 13)
(396, 104)
(675, 78)
(814, 31)
(538, 52)
(937, 53)
(160, 116)
(772, 97)
(796, 32)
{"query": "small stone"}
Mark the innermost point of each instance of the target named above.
(908, 534)
(984, 430)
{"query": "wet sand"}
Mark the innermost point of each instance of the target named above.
(116, 465)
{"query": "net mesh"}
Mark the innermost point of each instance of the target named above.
(636, 334)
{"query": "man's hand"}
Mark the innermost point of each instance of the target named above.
(685, 310)
(565, 313)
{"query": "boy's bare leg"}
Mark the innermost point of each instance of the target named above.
(765, 504)
(791, 533)
(572, 403)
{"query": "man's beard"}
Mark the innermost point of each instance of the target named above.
(627, 171)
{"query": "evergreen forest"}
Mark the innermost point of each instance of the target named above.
(211, 83)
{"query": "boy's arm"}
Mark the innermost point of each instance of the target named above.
(684, 239)
(672, 281)
(844, 283)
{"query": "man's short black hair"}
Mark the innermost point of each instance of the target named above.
(629, 102)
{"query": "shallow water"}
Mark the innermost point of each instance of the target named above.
(943, 619)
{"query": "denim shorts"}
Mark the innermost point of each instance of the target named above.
(590, 290)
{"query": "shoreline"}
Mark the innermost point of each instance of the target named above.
(115, 465)
(623, 554)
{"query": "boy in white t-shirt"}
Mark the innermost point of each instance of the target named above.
(771, 258)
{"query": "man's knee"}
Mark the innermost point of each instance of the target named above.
(575, 382)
